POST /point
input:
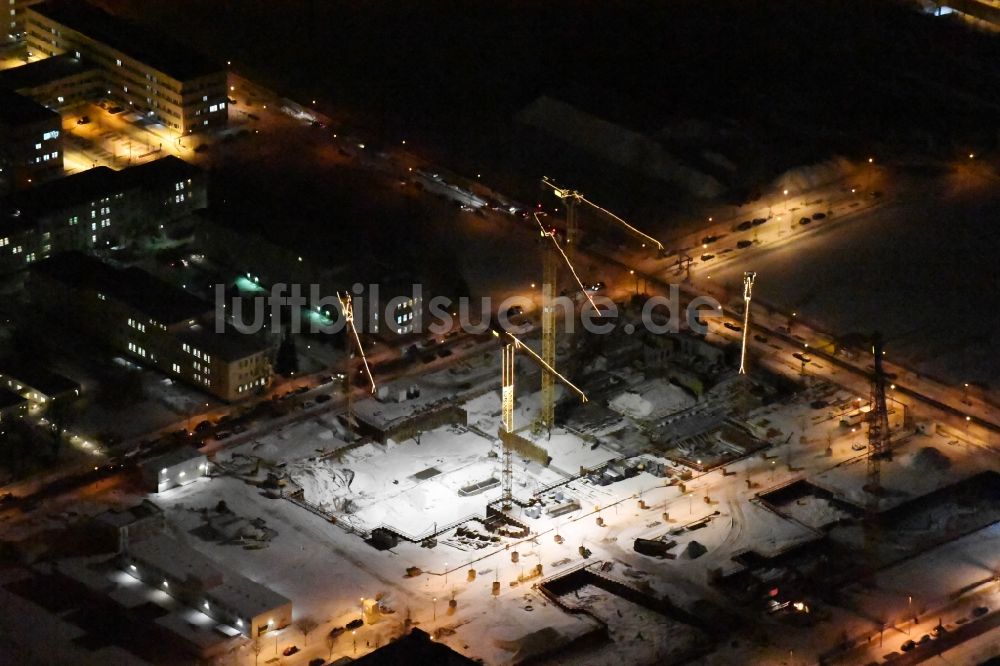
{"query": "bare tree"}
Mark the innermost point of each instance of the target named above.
(305, 625)
(257, 646)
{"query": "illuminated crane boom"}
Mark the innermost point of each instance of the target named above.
(508, 370)
(572, 196)
(748, 280)
(347, 307)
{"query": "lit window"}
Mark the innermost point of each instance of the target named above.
(118, 62)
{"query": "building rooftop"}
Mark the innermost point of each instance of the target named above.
(175, 457)
(134, 287)
(16, 110)
(414, 648)
(129, 515)
(182, 563)
(229, 346)
(40, 379)
(24, 207)
(139, 42)
(9, 399)
(42, 72)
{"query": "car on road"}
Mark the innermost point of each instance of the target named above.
(709, 239)
(597, 286)
(980, 611)
(743, 226)
(757, 221)
(115, 110)
(706, 257)
(819, 216)
(805, 358)
(744, 244)
(732, 327)
(356, 623)
(857, 446)
(290, 650)
(804, 221)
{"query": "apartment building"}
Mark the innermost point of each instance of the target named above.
(94, 208)
(15, 10)
(142, 70)
(153, 323)
(30, 142)
(55, 83)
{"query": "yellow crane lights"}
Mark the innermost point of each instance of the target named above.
(564, 193)
(347, 307)
(551, 235)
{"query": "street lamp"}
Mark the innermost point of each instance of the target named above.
(434, 600)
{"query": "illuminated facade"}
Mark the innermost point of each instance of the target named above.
(15, 18)
(142, 71)
(94, 208)
(153, 323)
(30, 142)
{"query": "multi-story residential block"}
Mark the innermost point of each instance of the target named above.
(30, 142)
(153, 323)
(37, 385)
(12, 406)
(14, 11)
(93, 208)
(56, 82)
(144, 71)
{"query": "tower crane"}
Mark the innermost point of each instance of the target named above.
(549, 274)
(879, 449)
(748, 280)
(572, 197)
(508, 371)
(347, 310)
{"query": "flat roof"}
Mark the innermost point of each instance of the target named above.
(246, 597)
(129, 515)
(9, 399)
(16, 110)
(22, 208)
(181, 454)
(40, 379)
(229, 346)
(137, 41)
(148, 295)
(43, 72)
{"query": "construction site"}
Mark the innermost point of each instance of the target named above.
(627, 494)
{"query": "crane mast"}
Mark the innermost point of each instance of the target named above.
(508, 371)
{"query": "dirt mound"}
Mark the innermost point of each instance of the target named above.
(929, 459)
(693, 551)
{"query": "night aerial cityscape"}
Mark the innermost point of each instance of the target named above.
(549, 333)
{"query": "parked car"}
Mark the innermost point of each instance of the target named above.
(732, 327)
(980, 611)
(706, 257)
(355, 624)
(744, 244)
(322, 398)
(709, 239)
(804, 221)
(907, 646)
(757, 221)
(743, 226)
(290, 650)
(83, 120)
(760, 338)
(819, 216)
